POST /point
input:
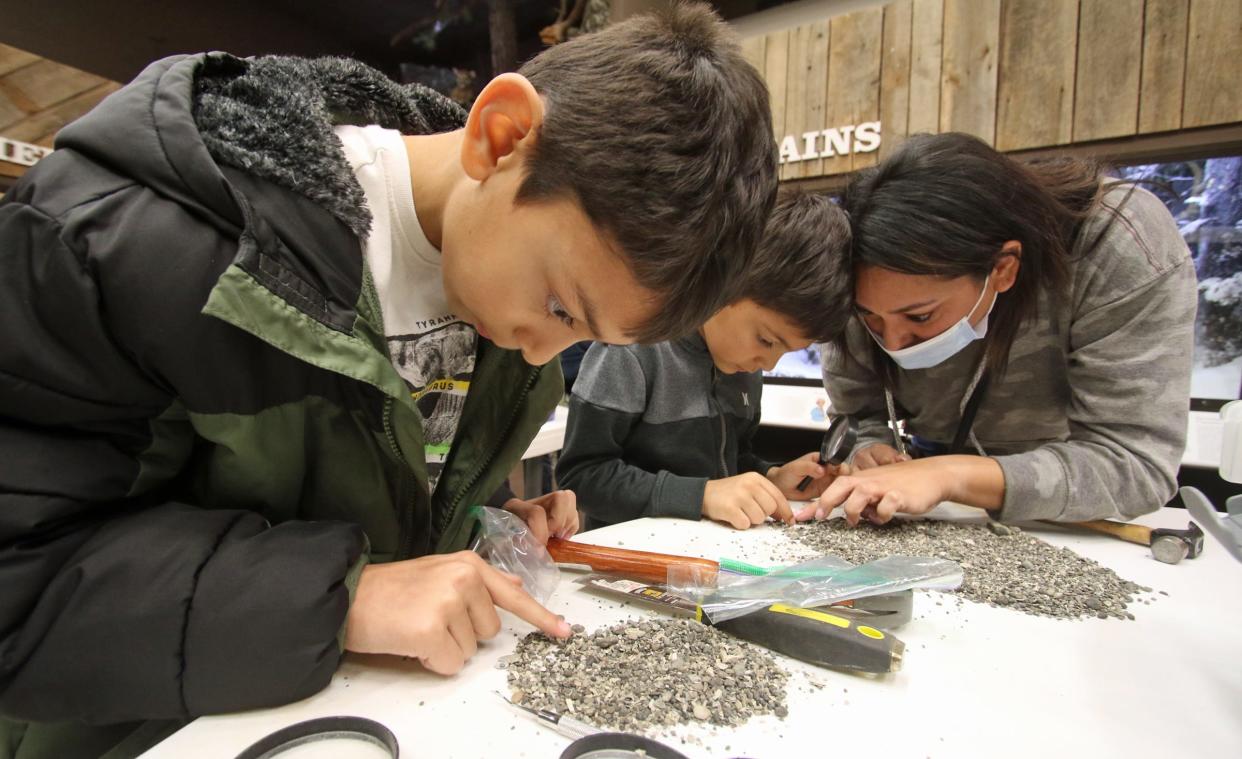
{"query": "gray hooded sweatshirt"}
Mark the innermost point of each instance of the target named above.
(649, 425)
(1089, 419)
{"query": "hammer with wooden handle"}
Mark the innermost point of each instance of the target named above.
(1167, 545)
(641, 565)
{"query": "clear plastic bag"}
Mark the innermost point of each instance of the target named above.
(506, 543)
(818, 582)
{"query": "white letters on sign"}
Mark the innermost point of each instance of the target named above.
(842, 140)
(21, 152)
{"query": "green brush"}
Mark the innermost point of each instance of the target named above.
(742, 568)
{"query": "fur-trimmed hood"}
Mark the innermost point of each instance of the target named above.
(271, 117)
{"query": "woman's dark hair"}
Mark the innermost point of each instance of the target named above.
(944, 205)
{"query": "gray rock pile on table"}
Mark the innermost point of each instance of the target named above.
(1003, 565)
(643, 675)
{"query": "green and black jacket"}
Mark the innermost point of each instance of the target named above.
(202, 438)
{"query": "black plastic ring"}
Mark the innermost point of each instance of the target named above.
(323, 728)
(618, 742)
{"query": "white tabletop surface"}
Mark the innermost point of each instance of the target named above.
(977, 681)
(551, 436)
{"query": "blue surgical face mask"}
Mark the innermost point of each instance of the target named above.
(942, 347)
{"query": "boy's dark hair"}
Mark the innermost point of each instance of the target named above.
(663, 133)
(802, 269)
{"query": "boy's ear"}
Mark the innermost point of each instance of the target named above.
(506, 112)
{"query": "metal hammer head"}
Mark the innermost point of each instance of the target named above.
(1171, 546)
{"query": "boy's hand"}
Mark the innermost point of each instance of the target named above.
(554, 514)
(437, 609)
(787, 477)
(745, 500)
(877, 454)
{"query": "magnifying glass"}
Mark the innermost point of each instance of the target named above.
(619, 746)
(837, 445)
(336, 737)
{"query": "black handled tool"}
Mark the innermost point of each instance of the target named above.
(832, 637)
(818, 637)
(838, 443)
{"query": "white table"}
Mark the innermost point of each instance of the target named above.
(978, 681)
(551, 436)
(527, 483)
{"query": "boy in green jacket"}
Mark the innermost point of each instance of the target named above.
(665, 430)
(272, 326)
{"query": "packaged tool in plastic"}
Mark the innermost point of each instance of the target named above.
(506, 543)
(836, 637)
(819, 582)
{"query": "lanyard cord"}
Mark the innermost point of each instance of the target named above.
(969, 406)
(900, 444)
(971, 400)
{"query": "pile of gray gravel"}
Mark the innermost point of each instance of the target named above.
(641, 675)
(1003, 566)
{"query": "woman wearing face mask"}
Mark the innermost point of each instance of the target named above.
(1031, 325)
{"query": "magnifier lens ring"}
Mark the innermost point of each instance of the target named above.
(839, 440)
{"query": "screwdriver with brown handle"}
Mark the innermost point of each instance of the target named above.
(640, 565)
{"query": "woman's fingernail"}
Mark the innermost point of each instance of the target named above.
(819, 514)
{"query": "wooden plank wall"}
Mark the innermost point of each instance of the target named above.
(895, 70)
(854, 80)
(1213, 63)
(926, 50)
(1019, 74)
(816, 72)
(968, 68)
(1110, 44)
(38, 97)
(1036, 94)
(1164, 65)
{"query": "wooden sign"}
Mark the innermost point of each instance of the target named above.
(1018, 74)
(22, 153)
(828, 143)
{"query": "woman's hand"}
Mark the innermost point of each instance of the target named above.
(877, 454)
(551, 515)
(911, 487)
(787, 477)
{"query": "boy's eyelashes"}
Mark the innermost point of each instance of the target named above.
(557, 311)
(766, 343)
(920, 318)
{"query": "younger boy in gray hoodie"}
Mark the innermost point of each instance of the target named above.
(665, 430)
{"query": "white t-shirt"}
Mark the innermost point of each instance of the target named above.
(430, 347)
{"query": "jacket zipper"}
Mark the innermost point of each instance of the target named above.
(724, 468)
(478, 473)
(405, 540)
